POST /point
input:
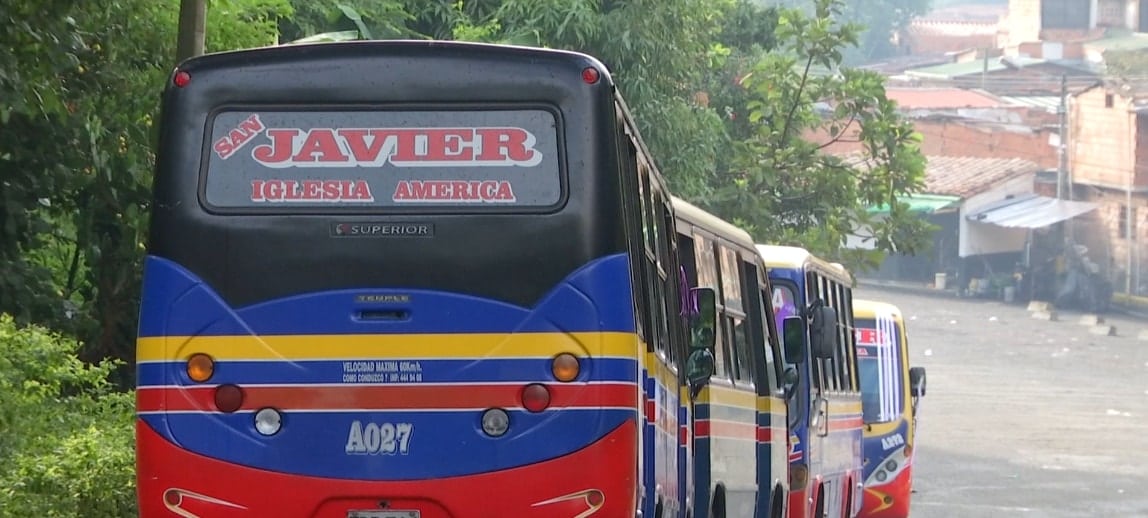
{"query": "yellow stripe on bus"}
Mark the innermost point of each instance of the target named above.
(398, 346)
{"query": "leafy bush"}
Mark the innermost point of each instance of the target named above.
(66, 442)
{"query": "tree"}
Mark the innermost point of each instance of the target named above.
(881, 20)
(77, 172)
(781, 186)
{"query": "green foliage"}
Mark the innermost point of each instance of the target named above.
(78, 154)
(781, 187)
(67, 445)
(1125, 64)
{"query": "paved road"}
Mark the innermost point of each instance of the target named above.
(1025, 417)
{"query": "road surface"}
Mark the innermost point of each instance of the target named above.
(1025, 417)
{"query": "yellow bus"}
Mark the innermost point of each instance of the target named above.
(890, 390)
(738, 418)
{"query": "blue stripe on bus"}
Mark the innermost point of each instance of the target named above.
(442, 444)
(433, 371)
(595, 297)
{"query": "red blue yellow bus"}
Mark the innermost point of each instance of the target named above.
(890, 390)
(739, 417)
(411, 280)
(813, 306)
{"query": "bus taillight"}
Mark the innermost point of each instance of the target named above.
(200, 367)
(228, 398)
(535, 397)
(565, 367)
(181, 79)
(590, 75)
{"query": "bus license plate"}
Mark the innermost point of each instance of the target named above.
(383, 514)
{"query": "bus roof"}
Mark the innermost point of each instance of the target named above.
(686, 211)
(865, 308)
(373, 48)
(777, 256)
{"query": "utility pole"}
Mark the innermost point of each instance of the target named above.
(1062, 138)
(192, 29)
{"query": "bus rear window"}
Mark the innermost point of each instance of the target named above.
(383, 159)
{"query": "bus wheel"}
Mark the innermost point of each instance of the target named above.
(717, 510)
(658, 510)
(777, 503)
(820, 512)
(847, 508)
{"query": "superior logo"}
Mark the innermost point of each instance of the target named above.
(382, 230)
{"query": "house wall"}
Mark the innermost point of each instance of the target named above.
(1102, 150)
(1109, 245)
(953, 138)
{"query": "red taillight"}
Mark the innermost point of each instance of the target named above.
(595, 498)
(181, 79)
(228, 398)
(172, 497)
(590, 75)
(535, 398)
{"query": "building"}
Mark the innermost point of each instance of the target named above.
(1108, 158)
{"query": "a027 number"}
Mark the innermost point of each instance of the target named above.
(379, 438)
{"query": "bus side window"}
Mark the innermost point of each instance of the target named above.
(666, 276)
(642, 273)
(759, 355)
(845, 378)
(851, 343)
(705, 254)
(655, 309)
(839, 373)
(733, 313)
(812, 293)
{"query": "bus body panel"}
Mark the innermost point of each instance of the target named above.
(890, 435)
(833, 460)
(739, 421)
(308, 318)
(662, 439)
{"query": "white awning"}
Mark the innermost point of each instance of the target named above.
(1031, 211)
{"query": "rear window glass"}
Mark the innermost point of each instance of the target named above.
(383, 159)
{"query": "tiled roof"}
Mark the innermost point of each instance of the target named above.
(964, 176)
(913, 98)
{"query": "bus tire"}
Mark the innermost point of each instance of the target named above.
(847, 508)
(777, 503)
(658, 510)
(820, 509)
(717, 508)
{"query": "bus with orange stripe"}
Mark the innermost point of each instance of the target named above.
(411, 280)
(739, 419)
(813, 304)
(890, 392)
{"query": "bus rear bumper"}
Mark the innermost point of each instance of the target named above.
(598, 481)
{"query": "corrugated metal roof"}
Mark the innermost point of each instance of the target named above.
(1050, 103)
(951, 70)
(1031, 211)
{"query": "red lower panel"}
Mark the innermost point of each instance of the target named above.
(890, 500)
(598, 481)
(798, 504)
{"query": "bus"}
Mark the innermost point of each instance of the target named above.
(400, 279)
(890, 391)
(739, 417)
(812, 300)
